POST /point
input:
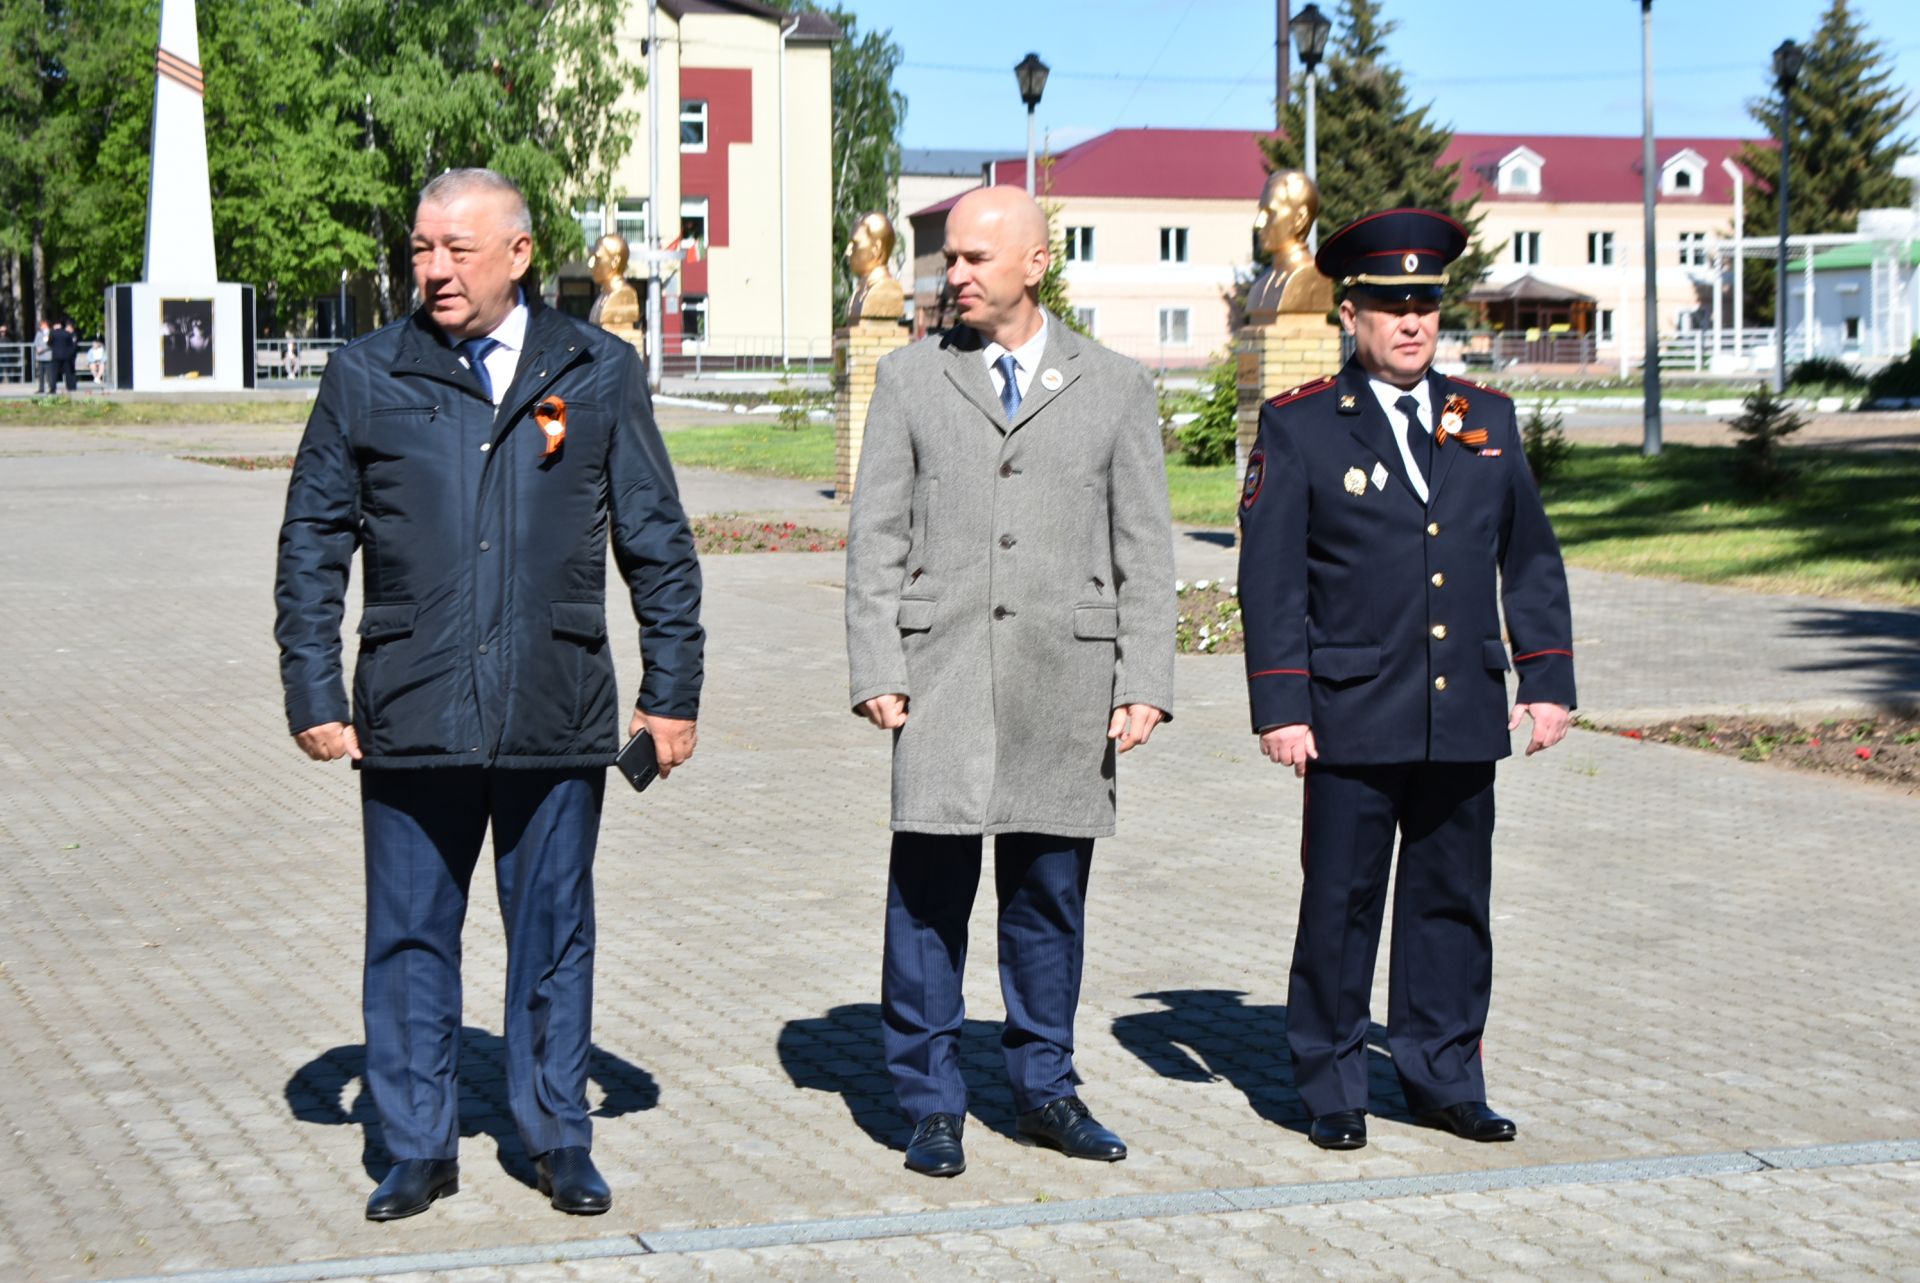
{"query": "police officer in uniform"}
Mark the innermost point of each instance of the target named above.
(1387, 516)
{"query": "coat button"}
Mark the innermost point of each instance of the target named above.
(1001, 612)
(1006, 469)
(1433, 528)
(1006, 541)
(487, 546)
(483, 648)
(1439, 580)
(1439, 632)
(1440, 683)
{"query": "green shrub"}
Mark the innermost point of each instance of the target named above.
(1546, 442)
(1824, 371)
(1209, 439)
(1899, 378)
(796, 404)
(1761, 431)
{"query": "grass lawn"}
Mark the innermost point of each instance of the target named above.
(86, 411)
(760, 447)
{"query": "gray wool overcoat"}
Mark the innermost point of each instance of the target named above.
(1014, 581)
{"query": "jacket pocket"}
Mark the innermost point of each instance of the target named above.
(581, 621)
(386, 621)
(1344, 663)
(916, 614)
(1096, 623)
(1494, 654)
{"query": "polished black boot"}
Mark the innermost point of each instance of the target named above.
(935, 1149)
(1067, 1125)
(570, 1180)
(412, 1185)
(1342, 1129)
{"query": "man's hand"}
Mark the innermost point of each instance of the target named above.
(1290, 745)
(1132, 724)
(1550, 723)
(673, 738)
(329, 741)
(888, 712)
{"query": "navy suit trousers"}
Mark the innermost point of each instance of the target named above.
(1441, 975)
(1042, 886)
(423, 836)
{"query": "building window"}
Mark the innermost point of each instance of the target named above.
(1684, 173)
(1603, 325)
(630, 220)
(693, 317)
(1526, 248)
(1079, 245)
(1173, 245)
(1519, 172)
(693, 220)
(1173, 325)
(1853, 329)
(1088, 319)
(1600, 249)
(593, 224)
(1683, 180)
(693, 124)
(1693, 249)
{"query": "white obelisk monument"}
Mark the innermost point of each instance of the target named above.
(181, 327)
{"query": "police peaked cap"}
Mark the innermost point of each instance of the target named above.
(1396, 255)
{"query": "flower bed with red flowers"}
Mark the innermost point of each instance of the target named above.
(1885, 750)
(740, 534)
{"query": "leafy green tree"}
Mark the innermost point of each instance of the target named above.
(1209, 437)
(1847, 107)
(868, 113)
(1375, 151)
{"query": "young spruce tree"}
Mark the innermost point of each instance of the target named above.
(1847, 106)
(1375, 151)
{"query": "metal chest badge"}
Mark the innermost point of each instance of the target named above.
(1355, 481)
(551, 415)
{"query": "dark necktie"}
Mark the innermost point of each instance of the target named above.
(1419, 440)
(475, 350)
(1010, 393)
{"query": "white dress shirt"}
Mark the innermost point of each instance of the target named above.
(503, 361)
(1388, 394)
(1026, 360)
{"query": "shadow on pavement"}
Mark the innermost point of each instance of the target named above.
(1208, 1035)
(1218, 538)
(841, 1052)
(1882, 647)
(317, 1093)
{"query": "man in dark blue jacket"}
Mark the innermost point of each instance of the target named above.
(479, 454)
(1387, 517)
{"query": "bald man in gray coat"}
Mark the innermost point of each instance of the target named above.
(1010, 618)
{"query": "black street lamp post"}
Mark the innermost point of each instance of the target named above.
(1787, 60)
(1032, 75)
(1309, 31)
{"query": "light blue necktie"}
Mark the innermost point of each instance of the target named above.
(1010, 393)
(475, 350)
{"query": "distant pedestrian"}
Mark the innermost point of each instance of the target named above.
(64, 345)
(43, 358)
(97, 364)
(290, 359)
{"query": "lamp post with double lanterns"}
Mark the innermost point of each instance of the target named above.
(1787, 60)
(1032, 75)
(1309, 32)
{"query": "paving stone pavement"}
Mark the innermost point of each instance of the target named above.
(1694, 955)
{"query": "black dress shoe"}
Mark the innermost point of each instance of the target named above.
(412, 1185)
(572, 1183)
(1066, 1125)
(1342, 1129)
(935, 1149)
(1472, 1120)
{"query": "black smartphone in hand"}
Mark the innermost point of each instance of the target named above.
(637, 761)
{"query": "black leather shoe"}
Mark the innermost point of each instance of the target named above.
(411, 1187)
(1472, 1120)
(1067, 1126)
(1342, 1129)
(572, 1183)
(935, 1149)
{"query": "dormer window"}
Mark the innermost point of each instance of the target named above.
(1519, 173)
(1684, 174)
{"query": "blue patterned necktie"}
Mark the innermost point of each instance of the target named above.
(1010, 392)
(475, 350)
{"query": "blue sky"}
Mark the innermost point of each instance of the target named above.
(1486, 66)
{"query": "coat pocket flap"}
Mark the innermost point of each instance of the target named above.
(581, 620)
(916, 614)
(387, 620)
(1096, 623)
(1494, 654)
(1345, 663)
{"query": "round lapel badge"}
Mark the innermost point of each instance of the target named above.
(1050, 379)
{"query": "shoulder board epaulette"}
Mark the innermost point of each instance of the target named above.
(1304, 390)
(1480, 387)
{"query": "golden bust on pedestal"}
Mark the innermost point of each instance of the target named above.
(617, 309)
(877, 296)
(1288, 206)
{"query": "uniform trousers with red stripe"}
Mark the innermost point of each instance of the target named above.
(1441, 973)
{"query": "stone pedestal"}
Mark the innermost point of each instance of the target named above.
(856, 350)
(1293, 348)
